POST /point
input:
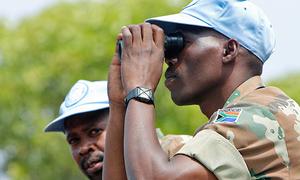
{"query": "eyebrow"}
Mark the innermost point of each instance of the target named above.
(90, 125)
(69, 135)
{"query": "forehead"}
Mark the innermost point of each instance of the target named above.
(85, 120)
(199, 31)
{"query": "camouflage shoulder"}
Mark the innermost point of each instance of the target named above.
(172, 143)
(252, 123)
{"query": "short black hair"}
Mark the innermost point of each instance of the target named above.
(254, 64)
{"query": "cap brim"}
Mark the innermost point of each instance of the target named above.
(58, 123)
(170, 23)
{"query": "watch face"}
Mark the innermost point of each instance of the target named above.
(144, 95)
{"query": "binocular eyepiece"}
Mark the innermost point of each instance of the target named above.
(174, 43)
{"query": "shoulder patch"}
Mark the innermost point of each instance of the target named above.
(229, 115)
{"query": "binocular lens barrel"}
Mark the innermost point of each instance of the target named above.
(173, 44)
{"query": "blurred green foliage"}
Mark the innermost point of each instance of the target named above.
(289, 84)
(44, 55)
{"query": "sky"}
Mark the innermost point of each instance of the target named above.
(282, 14)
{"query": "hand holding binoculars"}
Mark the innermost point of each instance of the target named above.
(173, 44)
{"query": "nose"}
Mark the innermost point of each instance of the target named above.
(171, 61)
(86, 148)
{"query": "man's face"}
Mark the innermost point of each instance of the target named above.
(197, 70)
(86, 137)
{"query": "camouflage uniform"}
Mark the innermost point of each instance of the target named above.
(262, 124)
(172, 143)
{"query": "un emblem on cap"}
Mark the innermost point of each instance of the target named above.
(77, 92)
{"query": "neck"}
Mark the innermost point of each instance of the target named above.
(216, 98)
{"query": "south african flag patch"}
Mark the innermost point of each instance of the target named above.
(229, 115)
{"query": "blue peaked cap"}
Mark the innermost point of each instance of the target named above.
(237, 19)
(84, 96)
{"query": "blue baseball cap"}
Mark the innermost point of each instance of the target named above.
(84, 96)
(236, 19)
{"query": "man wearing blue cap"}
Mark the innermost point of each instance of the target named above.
(253, 131)
(83, 118)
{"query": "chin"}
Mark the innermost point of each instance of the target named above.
(177, 101)
(95, 176)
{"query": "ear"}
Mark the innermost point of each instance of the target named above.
(231, 50)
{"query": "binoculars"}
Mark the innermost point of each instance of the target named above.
(174, 43)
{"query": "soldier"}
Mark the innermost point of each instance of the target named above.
(83, 118)
(253, 130)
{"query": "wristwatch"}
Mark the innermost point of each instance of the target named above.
(140, 94)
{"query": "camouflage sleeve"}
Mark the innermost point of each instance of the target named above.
(217, 154)
(172, 143)
(257, 135)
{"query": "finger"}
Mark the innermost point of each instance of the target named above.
(158, 36)
(136, 34)
(147, 32)
(126, 37)
(119, 37)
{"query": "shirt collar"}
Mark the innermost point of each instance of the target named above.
(244, 89)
